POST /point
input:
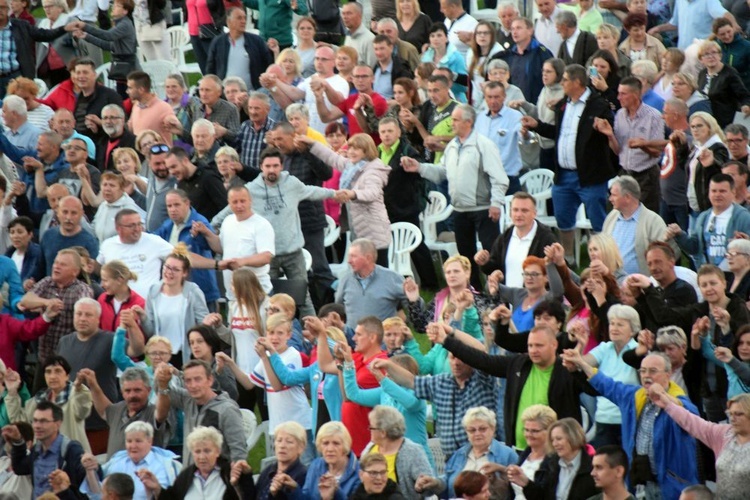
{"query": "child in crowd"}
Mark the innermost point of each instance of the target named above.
(284, 304)
(393, 336)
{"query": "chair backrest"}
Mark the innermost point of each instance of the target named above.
(102, 73)
(406, 238)
(437, 210)
(332, 232)
(178, 39)
(159, 71)
(538, 183)
(249, 423)
(505, 220)
(308, 259)
(437, 454)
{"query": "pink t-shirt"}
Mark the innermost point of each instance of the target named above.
(197, 14)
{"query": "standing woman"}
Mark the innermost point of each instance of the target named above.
(607, 38)
(246, 320)
(444, 55)
(685, 89)
(483, 47)
(607, 78)
(413, 24)
(671, 62)
(179, 98)
(117, 296)
(205, 19)
(174, 304)
(292, 65)
(639, 45)
(128, 164)
(120, 41)
(552, 73)
(305, 49)
(722, 84)
(151, 29)
(204, 344)
(53, 57)
(363, 177)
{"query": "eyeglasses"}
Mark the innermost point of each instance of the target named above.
(376, 473)
(711, 53)
(649, 371)
(131, 226)
(172, 269)
(533, 431)
(159, 148)
(734, 254)
(735, 414)
(474, 430)
(360, 76)
(159, 354)
(735, 141)
(71, 147)
(531, 275)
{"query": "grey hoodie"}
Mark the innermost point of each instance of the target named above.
(279, 205)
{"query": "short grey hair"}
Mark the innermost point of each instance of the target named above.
(680, 107)
(501, 6)
(115, 107)
(201, 433)
(387, 21)
(664, 357)
(178, 78)
(736, 128)
(480, 413)
(628, 185)
(468, 112)
(297, 109)
(646, 69)
(740, 245)
(133, 374)
(497, 64)
(627, 313)
(88, 301)
(260, 96)
(699, 492)
(566, 18)
(212, 78)
(54, 138)
(389, 420)
(671, 335)
(227, 151)
(203, 123)
(235, 80)
(61, 4)
(366, 246)
(140, 426)
(15, 104)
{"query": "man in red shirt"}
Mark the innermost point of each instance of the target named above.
(363, 109)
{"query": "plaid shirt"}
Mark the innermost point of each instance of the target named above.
(223, 112)
(450, 403)
(8, 53)
(251, 142)
(63, 324)
(644, 437)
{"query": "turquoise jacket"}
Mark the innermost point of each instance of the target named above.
(276, 18)
(454, 61)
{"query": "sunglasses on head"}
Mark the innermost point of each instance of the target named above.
(159, 148)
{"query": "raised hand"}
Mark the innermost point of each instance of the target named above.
(722, 317)
(701, 326)
(239, 468)
(54, 308)
(222, 360)
(86, 376)
(436, 333)
(672, 231)
(555, 253)
(163, 375)
(482, 257)
(645, 342)
(213, 319)
(723, 354)
(463, 299)
(315, 325)
(59, 481)
(658, 395)
(493, 281)
(12, 381)
(149, 480)
(501, 313)
(409, 164)
(262, 346)
(411, 289)
(11, 434)
(425, 483)
(638, 281)
(89, 462)
(343, 350)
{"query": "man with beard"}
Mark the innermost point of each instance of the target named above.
(116, 136)
(135, 385)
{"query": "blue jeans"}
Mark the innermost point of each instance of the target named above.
(567, 196)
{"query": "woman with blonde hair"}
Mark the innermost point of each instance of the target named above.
(413, 24)
(671, 62)
(568, 442)
(722, 84)
(36, 113)
(228, 164)
(290, 440)
(346, 59)
(174, 304)
(605, 257)
(291, 64)
(607, 38)
(305, 50)
(128, 164)
(363, 177)
(117, 296)
(536, 421)
(685, 88)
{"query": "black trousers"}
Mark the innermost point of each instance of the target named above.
(467, 226)
(648, 180)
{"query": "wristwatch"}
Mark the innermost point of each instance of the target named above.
(164, 392)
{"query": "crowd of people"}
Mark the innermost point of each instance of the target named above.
(165, 271)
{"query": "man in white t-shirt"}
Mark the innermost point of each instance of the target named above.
(336, 88)
(142, 252)
(246, 240)
(459, 23)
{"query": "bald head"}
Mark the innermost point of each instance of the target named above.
(69, 213)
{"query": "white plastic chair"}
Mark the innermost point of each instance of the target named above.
(260, 430)
(338, 270)
(179, 43)
(102, 73)
(538, 183)
(249, 424)
(583, 225)
(437, 454)
(505, 221)
(43, 90)
(406, 238)
(159, 71)
(308, 259)
(437, 210)
(332, 232)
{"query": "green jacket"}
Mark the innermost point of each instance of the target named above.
(276, 18)
(23, 392)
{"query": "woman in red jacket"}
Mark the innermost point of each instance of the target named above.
(117, 296)
(16, 330)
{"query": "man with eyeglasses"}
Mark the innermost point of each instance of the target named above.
(143, 253)
(116, 135)
(51, 451)
(663, 459)
(336, 89)
(707, 243)
(737, 142)
(361, 109)
(77, 154)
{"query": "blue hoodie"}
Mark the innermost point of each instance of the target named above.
(348, 481)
